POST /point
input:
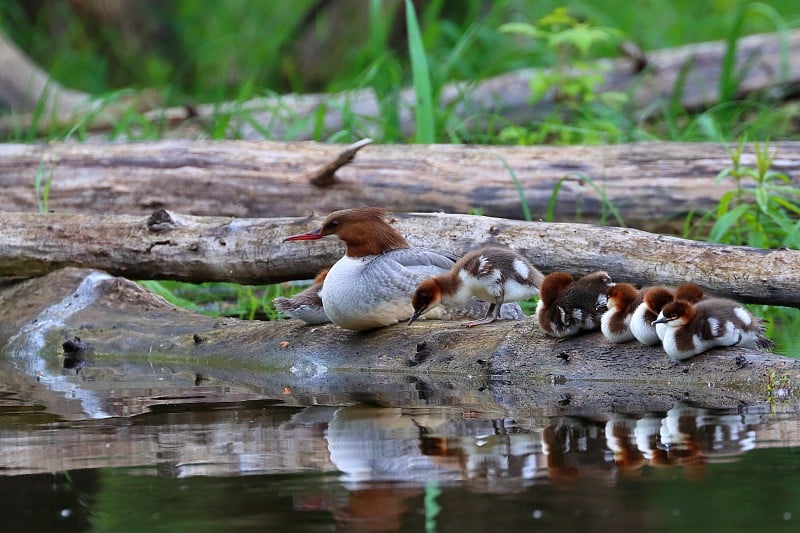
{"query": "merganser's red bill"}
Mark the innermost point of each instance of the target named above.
(312, 235)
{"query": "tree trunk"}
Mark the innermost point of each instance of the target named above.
(183, 247)
(652, 185)
(695, 68)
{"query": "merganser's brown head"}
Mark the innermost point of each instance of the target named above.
(676, 314)
(427, 296)
(655, 298)
(621, 295)
(364, 230)
(689, 292)
(553, 285)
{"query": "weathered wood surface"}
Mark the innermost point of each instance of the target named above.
(506, 365)
(506, 96)
(183, 247)
(653, 185)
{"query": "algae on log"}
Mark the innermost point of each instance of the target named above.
(506, 365)
(199, 249)
(653, 185)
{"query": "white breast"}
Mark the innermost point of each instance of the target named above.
(371, 292)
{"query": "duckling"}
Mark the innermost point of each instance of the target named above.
(568, 306)
(491, 273)
(691, 329)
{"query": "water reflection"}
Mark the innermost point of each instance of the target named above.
(375, 468)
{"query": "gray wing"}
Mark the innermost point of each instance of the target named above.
(420, 257)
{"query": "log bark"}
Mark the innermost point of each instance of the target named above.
(502, 366)
(652, 185)
(183, 247)
(507, 96)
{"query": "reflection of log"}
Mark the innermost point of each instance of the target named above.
(507, 95)
(166, 246)
(650, 184)
(506, 363)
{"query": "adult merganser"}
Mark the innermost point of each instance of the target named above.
(491, 273)
(568, 306)
(652, 300)
(371, 286)
(305, 305)
(623, 299)
(694, 328)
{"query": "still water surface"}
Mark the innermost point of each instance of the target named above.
(172, 455)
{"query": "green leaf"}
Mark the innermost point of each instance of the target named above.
(424, 110)
(724, 223)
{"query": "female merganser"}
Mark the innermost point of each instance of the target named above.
(623, 299)
(652, 300)
(492, 274)
(371, 286)
(305, 305)
(568, 306)
(694, 328)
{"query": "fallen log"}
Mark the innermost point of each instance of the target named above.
(252, 251)
(696, 68)
(652, 185)
(124, 329)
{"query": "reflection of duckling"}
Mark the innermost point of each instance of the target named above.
(621, 440)
(306, 305)
(568, 306)
(491, 273)
(693, 329)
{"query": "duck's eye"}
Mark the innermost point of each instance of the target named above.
(332, 224)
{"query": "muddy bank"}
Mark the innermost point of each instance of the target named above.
(131, 334)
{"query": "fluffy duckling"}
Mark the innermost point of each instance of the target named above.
(691, 329)
(653, 299)
(568, 306)
(305, 305)
(491, 273)
(623, 299)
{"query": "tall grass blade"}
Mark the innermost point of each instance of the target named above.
(424, 110)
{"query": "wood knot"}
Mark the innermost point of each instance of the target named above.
(161, 220)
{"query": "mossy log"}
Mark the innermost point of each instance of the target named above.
(252, 251)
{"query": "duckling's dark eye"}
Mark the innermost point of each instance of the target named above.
(333, 224)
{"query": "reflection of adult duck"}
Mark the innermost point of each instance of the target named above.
(380, 444)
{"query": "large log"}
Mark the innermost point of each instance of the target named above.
(124, 330)
(653, 185)
(183, 247)
(696, 68)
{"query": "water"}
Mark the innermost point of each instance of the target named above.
(163, 448)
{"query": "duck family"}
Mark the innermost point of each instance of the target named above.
(382, 280)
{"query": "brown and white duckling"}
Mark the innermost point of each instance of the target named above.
(491, 273)
(567, 306)
(305, 305)
(623, 299)
(691, 329)
(653, 299)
